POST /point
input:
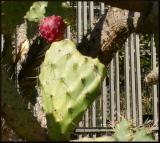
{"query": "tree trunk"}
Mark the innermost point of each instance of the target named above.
(17, 115)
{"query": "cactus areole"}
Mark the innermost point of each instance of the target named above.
(52, 28)
(69, 84)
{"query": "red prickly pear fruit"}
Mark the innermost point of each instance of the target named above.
(52, 28)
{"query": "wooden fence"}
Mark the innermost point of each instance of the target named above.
(118, 98)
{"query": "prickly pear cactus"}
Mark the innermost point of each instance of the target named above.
(36, 11)
(122, 131)
(69, 83)
(142, 135)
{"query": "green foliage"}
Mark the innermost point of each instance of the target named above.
(69, 83)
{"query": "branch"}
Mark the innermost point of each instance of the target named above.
(16, 113)
(151, 22)
(112, 30)
(109, 34)
(152, 7)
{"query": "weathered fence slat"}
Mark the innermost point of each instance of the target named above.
(102, 8)
(91, 13)
(111, 75)
(103, 97)
(154, 87)
(138, 80)
(79, 22)
(133, 79)
(117, 90)
(68, 32)
(104, 103)
(126, 63)
(85, 17)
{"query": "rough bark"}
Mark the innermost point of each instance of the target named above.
(112, 30)
(152, 77)
(16, 114)
(109, 34)
(151, 23)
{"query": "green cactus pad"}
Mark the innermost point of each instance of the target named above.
(69, 83)
(122, 131)
(142, 135)
(41, 9)
(37, 11)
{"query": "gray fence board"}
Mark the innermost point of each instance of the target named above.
(102, 8)
(127, 80)
(138, 80)
(79, 22)
(68, 32)
(117, 90)
(154, 88)
(85, 17)
(112, 104)
(133, 80)
(91, 13)
(104, 103)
